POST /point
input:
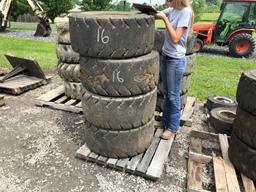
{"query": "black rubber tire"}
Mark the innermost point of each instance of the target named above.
(243, 157)
(160, 102)
(200, 44)
(112, 34)
(238, 38)
(62, 27)
(191, 61)
(222, 118)
(118, 113)
(69, 72)
(119, 78)
(244, 127)
(246, 91)
(73, 90)
(66, 54)
(185, 84)
(220, 101)
(119, 144)
(159, 41)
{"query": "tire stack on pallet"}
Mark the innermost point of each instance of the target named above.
(242, 147)
(68, 60)
(119, 74)
(190, 57)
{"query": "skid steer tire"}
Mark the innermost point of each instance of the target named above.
(244, 127)
(63, 35)
(159, 41)
(119, 78)
(119, 144)
(118, 113)
(220, 101)
(246, 91)
(242, 157)
(73, 90)
(222, 118)
(66, 54)
(242, 45)
(190, 63)
(69, 72)
(112, 34)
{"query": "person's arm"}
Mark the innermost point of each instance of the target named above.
(175, 35)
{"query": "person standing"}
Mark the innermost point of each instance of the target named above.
(178, 19)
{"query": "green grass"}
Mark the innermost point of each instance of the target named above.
(214, 75)
(33, 28)
(43, 52)
(209, 17)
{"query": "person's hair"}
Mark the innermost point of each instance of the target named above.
(180, 4)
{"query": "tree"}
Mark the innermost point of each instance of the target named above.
(55, 8)
(122, 5)
(20, 7)
(95, 5)
(198, 7)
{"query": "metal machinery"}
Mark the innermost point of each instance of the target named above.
(234, 28)
(43, 28)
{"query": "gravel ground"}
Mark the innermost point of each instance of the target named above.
(37, 148)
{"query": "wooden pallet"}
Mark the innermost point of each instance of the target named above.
(21, 83)
(224, 173)
(149, 165)
(57, 99)
(2, 103)
(187, 112)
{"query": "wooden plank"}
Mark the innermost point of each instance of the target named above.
(102, 160)
(220, 176)
(200, 158)
(122, 163)
(232, 181)
(197, 190)
(111, 162)
(2, 103)
(133, 163)
(70, 102)
(248, 184)
(79, 104)
(143, 165)
(52, 94)
(204, 135)
(156, 166)
(83, 152)
(93, 157)
(61, 99)
(188, 112)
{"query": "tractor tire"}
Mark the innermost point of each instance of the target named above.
(66, 54)
(159, 41)
(220, 101)
(242, 157)
(185, 84)
(73, 90)
(62, 27)
(118, 113)
(246, 91)
(120, 78)
(199, 44)
(242, 45)
(112, 34)
(222, 118)
(119, 144)
(69, 72)
(244, 127)
(191, 61)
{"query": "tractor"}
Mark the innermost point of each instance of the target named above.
(234, 28)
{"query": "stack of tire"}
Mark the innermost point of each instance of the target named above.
(222, 112)
(242, 147)
(190, 57)
(68, 60)
(119, 75)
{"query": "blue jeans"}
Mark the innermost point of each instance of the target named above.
(172, 70)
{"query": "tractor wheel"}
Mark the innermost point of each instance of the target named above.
(73, 90)
(69, 72)
(242, 45)
(199, 44)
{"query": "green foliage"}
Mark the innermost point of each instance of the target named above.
(212, 8)
(55, 8)
(20, 7)
(95, 5)
(198, 7)
(121, 6)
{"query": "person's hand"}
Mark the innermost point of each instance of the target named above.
(160, 15)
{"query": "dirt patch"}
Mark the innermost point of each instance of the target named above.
(37, 148)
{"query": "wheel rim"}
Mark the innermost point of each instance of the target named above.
(242, 46)
(197, 47)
